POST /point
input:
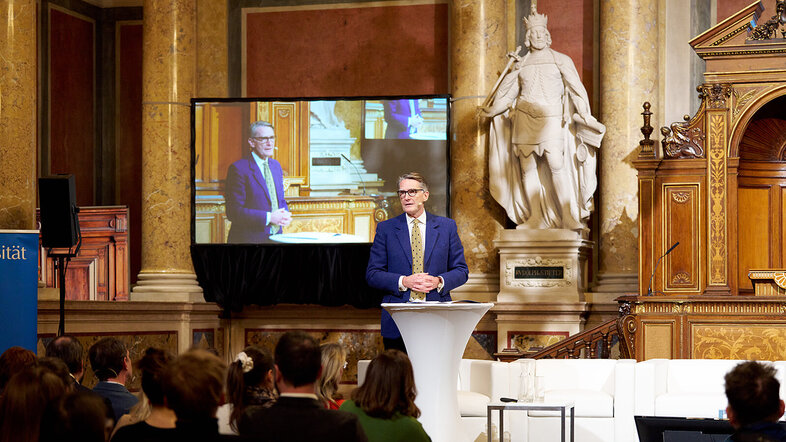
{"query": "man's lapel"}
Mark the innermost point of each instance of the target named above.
(432, 233)
(402, 232)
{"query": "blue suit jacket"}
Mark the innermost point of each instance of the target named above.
(397, 114)
(391, 257)
(248, 201)
(120, 398)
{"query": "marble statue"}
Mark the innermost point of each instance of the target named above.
(542, 139)
(323, 115)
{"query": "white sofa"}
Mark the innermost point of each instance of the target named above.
(686, 387)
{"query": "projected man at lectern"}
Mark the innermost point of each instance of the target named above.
(255, 190)
(416, 256)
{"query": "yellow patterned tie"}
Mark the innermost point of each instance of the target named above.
(417, 259)
(271, 190)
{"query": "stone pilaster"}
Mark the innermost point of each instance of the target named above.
(169, 72)
(628, 78)
(478, 44)
(18, 122)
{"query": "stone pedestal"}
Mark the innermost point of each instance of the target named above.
(542, 266)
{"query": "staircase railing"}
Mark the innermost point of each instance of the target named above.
(595, 343)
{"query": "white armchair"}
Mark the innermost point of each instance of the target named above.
(602, 391)
(480, 382)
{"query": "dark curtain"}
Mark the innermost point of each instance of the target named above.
(235, 275)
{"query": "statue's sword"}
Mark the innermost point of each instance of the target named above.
(512, 57)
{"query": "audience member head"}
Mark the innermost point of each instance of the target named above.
(24, 401)
(389, 387)
(110, 359)
(249, 376)
(12, 361)
(59, 368)
(298, 361)
(68, 349)
(194, 385)
(78, 416)
(753, 394)
(334, 358)
(152, 367)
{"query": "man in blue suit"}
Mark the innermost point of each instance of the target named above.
(413, 265)
(255, 190)
(403, 118)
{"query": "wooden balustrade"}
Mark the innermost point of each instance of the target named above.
(595, 343)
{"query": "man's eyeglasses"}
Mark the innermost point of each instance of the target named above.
(263, 139)
(410, 192)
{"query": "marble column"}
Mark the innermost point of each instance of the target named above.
(212, 49)
(628, 77)
(169, 73)
(478, 44)
(18, 122)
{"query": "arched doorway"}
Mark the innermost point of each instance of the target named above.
(761, 192)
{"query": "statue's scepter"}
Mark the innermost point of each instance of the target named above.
(512, 57)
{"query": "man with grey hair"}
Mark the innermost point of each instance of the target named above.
(416, 256)
(254, 190)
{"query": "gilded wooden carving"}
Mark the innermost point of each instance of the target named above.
(769, 29)
(683, 140)
(715, 95)
(717, 187)
(739, 341)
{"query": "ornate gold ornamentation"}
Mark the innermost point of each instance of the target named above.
(283, 112)
(680, 197)
(765, 342)
(330, 225)
(681, 278)
(715, 95)
(731, 34)
(769, 29)
(745, 53)
(717, 185)
(741, 100)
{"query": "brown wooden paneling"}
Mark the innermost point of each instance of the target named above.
(128, 133)
(682, 267)
(753, 233)
(72, 100)
(100, 270)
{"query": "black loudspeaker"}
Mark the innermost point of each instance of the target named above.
(59, 221)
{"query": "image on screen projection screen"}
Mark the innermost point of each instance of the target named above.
(332, 164)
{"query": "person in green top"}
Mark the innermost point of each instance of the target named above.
(385, 403)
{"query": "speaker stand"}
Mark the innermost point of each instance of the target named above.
(63, 258)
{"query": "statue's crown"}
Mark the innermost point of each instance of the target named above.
(534, 19)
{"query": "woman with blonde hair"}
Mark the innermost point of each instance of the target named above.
(385, 403)
(334, 361)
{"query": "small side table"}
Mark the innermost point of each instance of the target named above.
(562, 407)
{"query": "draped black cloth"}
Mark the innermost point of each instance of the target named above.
(236, 275)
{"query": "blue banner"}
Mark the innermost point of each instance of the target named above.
(18, 289)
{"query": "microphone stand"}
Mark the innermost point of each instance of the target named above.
(360, 177)
(649, 287)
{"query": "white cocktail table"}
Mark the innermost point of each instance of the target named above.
(562, 407)
(436, 334)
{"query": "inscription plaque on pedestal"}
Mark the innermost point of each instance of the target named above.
(538, 272)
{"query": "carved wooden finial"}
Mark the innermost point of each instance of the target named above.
(646, 144)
